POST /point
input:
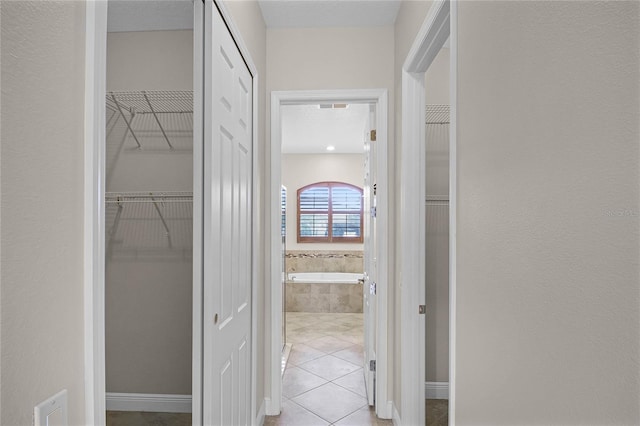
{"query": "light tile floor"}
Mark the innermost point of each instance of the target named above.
(323, 383)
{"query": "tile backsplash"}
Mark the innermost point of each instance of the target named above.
(325, 261)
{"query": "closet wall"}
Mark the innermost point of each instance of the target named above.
(437, 219)
(149, 291)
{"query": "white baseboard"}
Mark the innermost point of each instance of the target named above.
(396, 416)
(268, 407)
(159, 403)
(436, 390)
(261, 413)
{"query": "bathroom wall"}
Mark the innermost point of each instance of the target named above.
(148, 298)
(299, 170)
(437, 226)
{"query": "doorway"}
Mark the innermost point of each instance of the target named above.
(419, 206)
(170, 140)
(308, 225)
(149, 140)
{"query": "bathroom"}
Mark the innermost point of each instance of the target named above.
(323, 159)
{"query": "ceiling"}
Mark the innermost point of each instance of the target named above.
(329, 13)
(309, 129)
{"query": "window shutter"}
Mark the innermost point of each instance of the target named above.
(328, 211)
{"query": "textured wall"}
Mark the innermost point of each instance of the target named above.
(42, 207)
(548, 232)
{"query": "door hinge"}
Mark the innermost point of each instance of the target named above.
(373, 288)
(375, 189)
(373, 136)
(372, 365)
(422, 309)
(374, 212)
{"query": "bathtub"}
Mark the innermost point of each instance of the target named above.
(324, 292)
(325, 277)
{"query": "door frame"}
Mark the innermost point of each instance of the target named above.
(278, 99)
(439, 24)
(94, 209)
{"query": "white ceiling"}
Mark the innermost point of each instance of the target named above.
(308, 129)
(329, 13)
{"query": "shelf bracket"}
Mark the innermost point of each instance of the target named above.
(166, 138)
(126, 121)
(164, 223)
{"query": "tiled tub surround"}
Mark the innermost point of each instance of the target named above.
(323, 297)
(325, 261)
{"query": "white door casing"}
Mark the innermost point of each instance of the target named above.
(378, 97)
(436, 28)
(227, 236)
(370, 271)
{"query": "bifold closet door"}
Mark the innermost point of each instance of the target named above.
(227, 228)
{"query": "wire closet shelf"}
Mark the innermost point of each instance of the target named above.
(150, 120)
(437, 114)
(149, 223)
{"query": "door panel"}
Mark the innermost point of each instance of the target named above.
(227, 251)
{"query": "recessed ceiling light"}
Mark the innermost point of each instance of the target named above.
(331, 148)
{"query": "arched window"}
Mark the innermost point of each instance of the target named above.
(330, 212)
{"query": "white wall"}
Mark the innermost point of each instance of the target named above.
(42, 207)
(337, 58)
(548, 299)
(248, 19)
(299, 170)
(149, 298)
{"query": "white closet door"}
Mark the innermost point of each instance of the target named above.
(227, 228)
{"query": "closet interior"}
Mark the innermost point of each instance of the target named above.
(148, 221)
(437, 251)
(154, 222)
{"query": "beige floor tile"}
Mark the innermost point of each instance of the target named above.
(301, 353)
(353, 382)
(294, 415)
(296, 381)
(355, 339)
(329, 344)
(302, 337)
(354, 354)
(331, 402)
(366, 416)
(329, 367)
